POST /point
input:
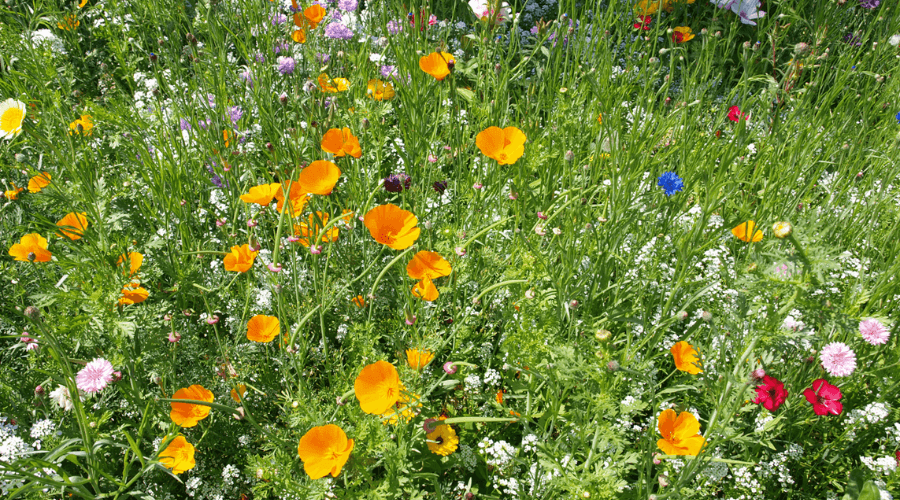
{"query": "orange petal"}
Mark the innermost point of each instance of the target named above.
(319, 177)
(262, 328)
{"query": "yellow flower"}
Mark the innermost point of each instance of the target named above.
(744, 231)
(404, 408)
(418, 359)
(38, 182)
(81, 126)
(178, 456)
(443, 440)
(12, 114)
(682, 34)
(686, 358)
(74, 224)
(379, 90)
(69, 23)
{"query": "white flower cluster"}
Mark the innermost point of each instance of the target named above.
(881, 465)
(230, 473)
(529, 443)
(497, 454)
(42, 428)
(472, 382)
(11, 448)
(743, 478)
(491, 377)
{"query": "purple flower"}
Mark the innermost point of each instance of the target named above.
(339, 31)
(440, 186)
(260, 58)
(853, 39)
(396, 183)
(280, 46)
(185, 125)
(235, 113)
(348, 5)
(869, 4)
(388, 71)
(323, 58)
(204, 124)
(247, 77)
(277, 18)
(211, 100)
(286, 65)
(394, 27)
(94, 376)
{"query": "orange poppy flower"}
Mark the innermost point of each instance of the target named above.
(405, 409)
(377, 387)
(686, 358)
(178, 456)
(298, 35)
(262, 194)
(69, 23)
(743, 232)
(340, 142)
(392, 226)
(238, 393)
(324, 450)
(240, 259)
(499, 396)
(680, 435)
(314, 15)
(262, 328)
(133, 294)
(418, 359)
(600, 119)
(31, 248)
(13, 194)
(295, 194)
(319, 177)
(425, 290)
(187, 414)
(82, 126)
(75, 224)
(437, 64)
(226, 135)
(359, 301)
(504, 145)
(429, 265)
(309, 232)
(135, 259)
(379, 90)
(38, 182)
(333, 85)
(82, 4)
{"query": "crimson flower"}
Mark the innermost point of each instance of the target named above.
(735, 115)
(771, 393)
(824, 397)
(644, 23)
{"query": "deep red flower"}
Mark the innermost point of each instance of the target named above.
(771, 393)
(824, 397)
(644, 23)
(735, 115)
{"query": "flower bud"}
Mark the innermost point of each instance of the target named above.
(212, 320)
(612, 366)
(283, 98)
(450, 368)
(39, 391)
(602, 335)
(33, 313)
(569, 156)
(706, 316)
(801, 49)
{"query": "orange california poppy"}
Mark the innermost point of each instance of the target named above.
(405, 409)
(133, 294)
(187, 414)
(319, 177)
(340, 142)
(379, 90)
(82, 125)
(178, 456)
(69, 23)
(499, 396)
(237, 394)
(262, 328)
(429, 265)
(686, 358)
(309, 232)
(377, 387)
(38, 182)
(13, 194)
(295, 194)
(680, 435)
(425, 290)
(298, 35)
(392, 226)
(314, 15)
(324, 450)
(262, 194)
(240, 259)
(75, 224)
(437, 64)
(135, 260)
(504, 145)
(359, 301)
(743, 232)
(226, 136)
(82, 4)
(333, 85)
(418, 359)
(600, 119)
(31, 248)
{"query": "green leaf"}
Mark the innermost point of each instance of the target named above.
(869, 492)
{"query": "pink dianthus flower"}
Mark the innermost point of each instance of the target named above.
(94, 376)
(838, 359)
(874, 332)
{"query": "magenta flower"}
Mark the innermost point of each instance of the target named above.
(874, 332)
(824, 397)
(771, 393)
(838, 359)
(94, 376)
(735, 115)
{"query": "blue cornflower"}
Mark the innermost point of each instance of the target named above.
(670, 182)
(898, 117)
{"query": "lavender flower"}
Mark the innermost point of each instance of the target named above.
(247, 77)
(286, 65)
(185, 125)
(338, 31)
(394, 27)
(235, 113)
(348, 5)
(323, 58)
(869, 4)
(388, 71)
(280, 46)
(278, 18)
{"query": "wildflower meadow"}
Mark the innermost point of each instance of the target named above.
(530, 249)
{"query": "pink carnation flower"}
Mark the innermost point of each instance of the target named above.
(838, 359)
(874, 332)
(95, 376)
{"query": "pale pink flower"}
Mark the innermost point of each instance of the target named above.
(838, 359)
(874, 332)
(94, 376)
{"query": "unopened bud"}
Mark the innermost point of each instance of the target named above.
(801, 49)
(706, 316)
(612, 366)
(602, 335)
(569, 156)
(33, 313)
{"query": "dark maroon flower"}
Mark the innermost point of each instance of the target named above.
(771, 393)
(396, 183)
(440, 186)
(824, 397)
